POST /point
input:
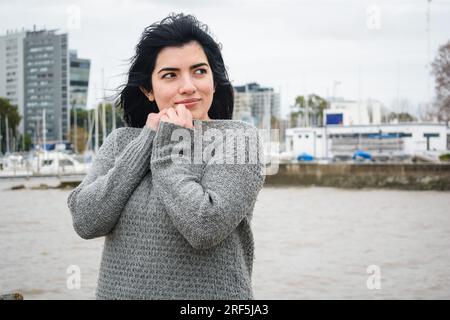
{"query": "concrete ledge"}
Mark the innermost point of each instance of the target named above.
(396, 176)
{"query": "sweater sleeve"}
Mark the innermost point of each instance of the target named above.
(205, 203)
(96, 204)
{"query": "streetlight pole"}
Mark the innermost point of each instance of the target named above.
(428, 51)
(44, 131)
(7, 135)
(335, 85)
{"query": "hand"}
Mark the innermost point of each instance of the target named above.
(153, 119)
(179, 115)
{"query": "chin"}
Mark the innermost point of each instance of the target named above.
(196, 116)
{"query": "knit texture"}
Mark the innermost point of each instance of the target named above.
(175, 227)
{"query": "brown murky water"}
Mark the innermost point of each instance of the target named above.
(310, 243)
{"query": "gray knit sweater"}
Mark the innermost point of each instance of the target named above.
(176, 228)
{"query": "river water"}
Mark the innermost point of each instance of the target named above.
(310, 243)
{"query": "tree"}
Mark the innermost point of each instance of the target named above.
(400, 117)
(310, 108)
(7, 110)
(27, 143)
(441, 71)
(402, 111)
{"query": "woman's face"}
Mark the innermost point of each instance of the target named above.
(182, 75)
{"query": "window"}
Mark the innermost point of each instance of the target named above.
(37, 49)
(47, 162)
(431, 135)
(405, 135)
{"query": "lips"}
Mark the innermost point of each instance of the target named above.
(188, 102)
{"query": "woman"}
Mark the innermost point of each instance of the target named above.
(174, 228)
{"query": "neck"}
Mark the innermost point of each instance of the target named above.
(205, 117)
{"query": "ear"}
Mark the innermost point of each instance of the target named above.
(149, 95)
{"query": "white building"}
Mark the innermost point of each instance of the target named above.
(386, 139)
(349, 113)
(11, 70)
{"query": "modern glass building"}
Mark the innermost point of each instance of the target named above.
(46, 83)
(79, 81)
(256, 105)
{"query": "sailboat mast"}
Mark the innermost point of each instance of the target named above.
(96, 128)
(7, 134)
(103, 107)
(113, 117)
(75, 129)
(44, 135)
(1, 137)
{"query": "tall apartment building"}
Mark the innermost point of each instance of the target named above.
(12, 70)
(46, 84)
(79, 80)
(256, 105)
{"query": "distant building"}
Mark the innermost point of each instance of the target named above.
(79, 81)
(385, 139)
(36, 74)
(46, 70)
(12, 70)
(348, 113)
(256, 105)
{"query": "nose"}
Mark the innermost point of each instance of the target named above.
(187, 87)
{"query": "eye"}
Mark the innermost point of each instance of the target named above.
(169, 75)
(200, 71)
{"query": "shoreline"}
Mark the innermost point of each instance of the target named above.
(423, 176)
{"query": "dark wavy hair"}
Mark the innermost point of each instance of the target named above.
(175, 30)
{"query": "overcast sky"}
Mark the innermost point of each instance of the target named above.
(373, 49)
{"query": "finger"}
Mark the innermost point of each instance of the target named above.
(180, 109)
(157, 116)
(163, 111)
(171, 113)
(153, 115)
(184, 114)
(164, 118)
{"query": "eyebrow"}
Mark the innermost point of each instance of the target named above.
(177, 69)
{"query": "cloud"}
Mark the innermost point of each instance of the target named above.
(296, 45)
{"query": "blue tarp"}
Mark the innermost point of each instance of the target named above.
(361, 155)
(305, 157)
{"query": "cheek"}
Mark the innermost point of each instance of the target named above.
(208, 88)
(164, 93)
